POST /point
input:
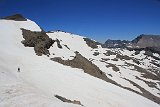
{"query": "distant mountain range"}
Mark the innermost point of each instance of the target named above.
(115, 43)
(143, 41)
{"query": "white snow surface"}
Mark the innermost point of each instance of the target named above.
(40, 79)
(71, 41)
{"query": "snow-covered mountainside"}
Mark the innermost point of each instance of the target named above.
(60, 69)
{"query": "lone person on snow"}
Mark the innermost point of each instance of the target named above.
(18, 69)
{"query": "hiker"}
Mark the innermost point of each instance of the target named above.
(18, 69)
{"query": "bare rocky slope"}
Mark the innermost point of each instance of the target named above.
(144, 41)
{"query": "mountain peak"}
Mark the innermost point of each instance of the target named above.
(16, 17)
(115, 43)
(145, 36)
(147, 41)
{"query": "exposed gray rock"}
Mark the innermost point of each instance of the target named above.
(39, 40)
(91, 43)
(105, 59)
(67, 47)
(153, 49)
(149, 43)
(144, 41)
(114, 67)
(149, 53)
(108, 53)
(81, 62)
(58, 43)
(137, 52)
(121, 57)
(67, 100)
(114, 59)
(96, 53)
(145, 73)
(115, 44)
(16, 17)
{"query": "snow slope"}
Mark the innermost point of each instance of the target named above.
(40, 78)
(124, 72)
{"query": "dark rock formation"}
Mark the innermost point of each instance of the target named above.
(149, 53)
(58, 44)
(108, 53)
(114, 67)
(16, 17)
(123, 57)
(91, 43)
(149, 43)
(144, 41)
(115, 44)
(67, 47)
(81, 62)
(115, 59)
(145, 73)
(96, 53)
(137, 52)
(153, 49)
(67, 100)
(39, 40)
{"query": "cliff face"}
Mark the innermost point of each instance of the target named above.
(115, 43)
(144, 41)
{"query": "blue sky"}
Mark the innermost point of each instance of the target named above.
(96, 19)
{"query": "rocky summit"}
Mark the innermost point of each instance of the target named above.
(144, 41)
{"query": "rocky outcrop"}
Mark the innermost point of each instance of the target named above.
(67, 100)
(153, 49)
(149, 43)
(39, 40)
(58, 44)
(114, 67)
(81, 62)
(91, 43)
(144, 41)
(16, 17)
(115, 43)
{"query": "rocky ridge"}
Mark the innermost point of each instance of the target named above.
(16, 17)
